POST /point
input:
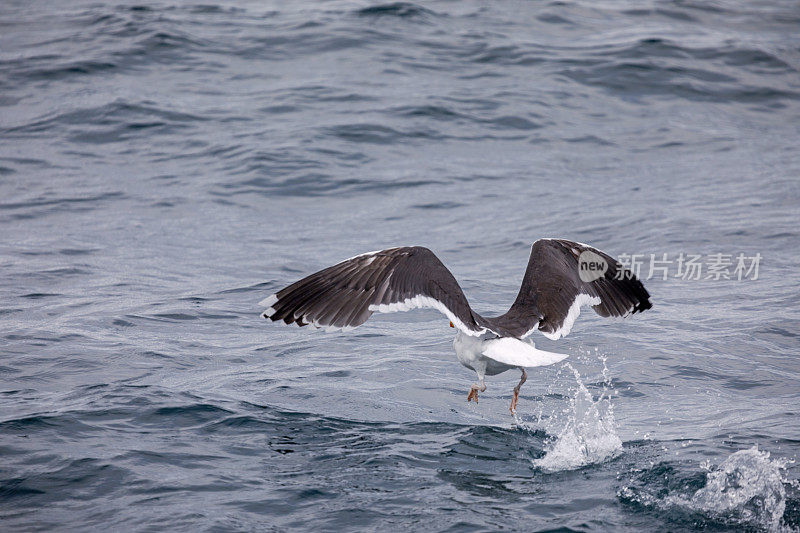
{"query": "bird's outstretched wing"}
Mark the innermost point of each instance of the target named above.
(398, 279)
(554, 288)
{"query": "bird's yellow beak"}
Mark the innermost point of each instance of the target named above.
(451, 324)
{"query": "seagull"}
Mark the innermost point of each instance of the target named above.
(561, 277)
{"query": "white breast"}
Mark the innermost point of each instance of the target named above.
(469, 350)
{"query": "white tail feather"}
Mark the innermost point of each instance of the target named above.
(519, 353)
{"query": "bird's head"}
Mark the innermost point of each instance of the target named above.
(451, 324)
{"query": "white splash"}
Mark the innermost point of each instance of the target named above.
(590, 435)
(747, 489)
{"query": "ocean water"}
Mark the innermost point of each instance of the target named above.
(166, 165)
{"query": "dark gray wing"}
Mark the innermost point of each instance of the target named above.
(398, 279)
(555, 287)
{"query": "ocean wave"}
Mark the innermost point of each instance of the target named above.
(403, 10)
(46, 204)
(116, 121)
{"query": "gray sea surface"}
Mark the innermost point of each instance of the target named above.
(164, 166)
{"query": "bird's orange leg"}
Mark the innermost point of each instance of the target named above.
(473, 392)
(522, 380)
